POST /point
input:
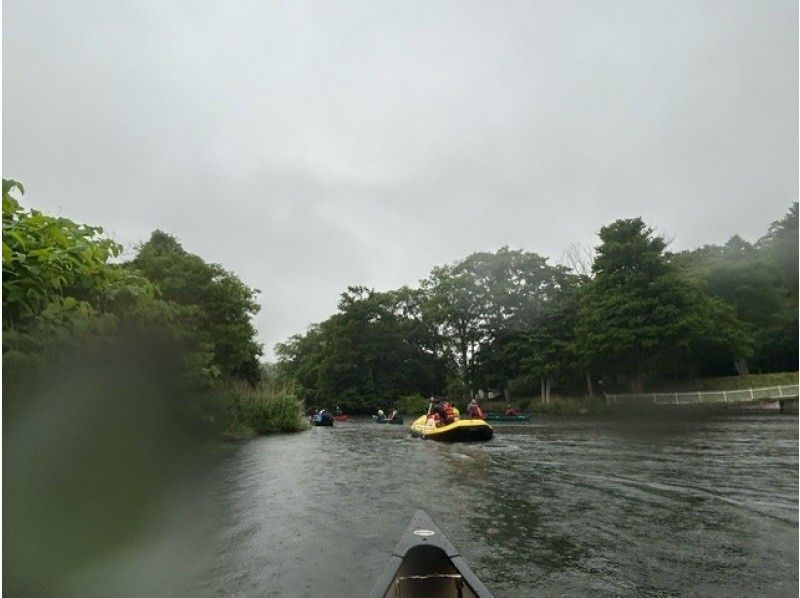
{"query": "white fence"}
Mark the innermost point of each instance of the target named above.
(771, 393)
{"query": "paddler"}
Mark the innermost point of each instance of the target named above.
(474, 409)
(510, 411)
(440, 407)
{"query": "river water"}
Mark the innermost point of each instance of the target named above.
(557, 506)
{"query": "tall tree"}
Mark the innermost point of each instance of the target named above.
(219, 305)
(641, 314)
(760, 282)
(377, 348)
(490, 298)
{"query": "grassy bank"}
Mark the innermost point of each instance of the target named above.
(269, 409)
(727, 382)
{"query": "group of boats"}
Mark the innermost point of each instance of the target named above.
(461, 430)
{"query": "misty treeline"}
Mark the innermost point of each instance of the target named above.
(626, 315)
(65, 291)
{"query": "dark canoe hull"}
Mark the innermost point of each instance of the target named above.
(501, 417)
(318, 421)
(397, 421)
(425, 563)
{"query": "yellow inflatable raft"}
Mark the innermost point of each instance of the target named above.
(461, 430)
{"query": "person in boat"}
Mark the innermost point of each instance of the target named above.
(442, 408)
(381, 414)
(511, 412)
(338, 411)
(392, 415)
(325, 415)
(474, 409)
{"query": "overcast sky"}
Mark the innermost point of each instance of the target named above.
(311, 145)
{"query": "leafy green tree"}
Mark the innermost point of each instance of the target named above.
(58, 281)
(215, 302)
(780, 245)
(640, 314)
(760, 282)
(483, 302)
(375, 349)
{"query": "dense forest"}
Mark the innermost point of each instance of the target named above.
(65, 293)
(628, 315)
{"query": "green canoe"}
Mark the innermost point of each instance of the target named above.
(502, 417)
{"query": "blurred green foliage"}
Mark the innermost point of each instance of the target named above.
(118, 380)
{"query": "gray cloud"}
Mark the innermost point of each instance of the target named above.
(311, 145)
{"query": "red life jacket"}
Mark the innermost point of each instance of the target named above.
(449, 414)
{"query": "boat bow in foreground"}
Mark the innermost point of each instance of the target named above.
(426, 564)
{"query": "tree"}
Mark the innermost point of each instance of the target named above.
(780, 245)
(376, 348)
(217, 304)
(58, 282)
(760, 282)
(487, 299)
(641, 314)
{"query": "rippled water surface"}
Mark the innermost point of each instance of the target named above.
(557, 506)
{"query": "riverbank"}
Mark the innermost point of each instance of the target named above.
(598, 406)
(727, 383)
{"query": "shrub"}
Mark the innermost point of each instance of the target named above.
(266, 409)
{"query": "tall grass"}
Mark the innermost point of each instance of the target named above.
(266, 409)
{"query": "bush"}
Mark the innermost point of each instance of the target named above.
(265, 409)
(414, 404)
